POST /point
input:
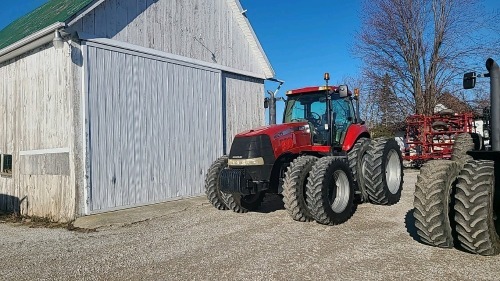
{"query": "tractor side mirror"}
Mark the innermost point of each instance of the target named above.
(469, 80)
(266, 102)
(343, 90)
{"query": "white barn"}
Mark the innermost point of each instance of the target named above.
(111, 104)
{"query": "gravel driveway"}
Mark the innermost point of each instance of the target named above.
(202, 243)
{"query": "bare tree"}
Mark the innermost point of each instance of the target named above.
(382, 111)
(423, 46)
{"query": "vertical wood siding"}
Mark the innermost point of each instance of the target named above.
(244, 104)
(155, 127)
(35, 105)
(200, 29)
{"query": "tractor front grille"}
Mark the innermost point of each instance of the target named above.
(233, 181)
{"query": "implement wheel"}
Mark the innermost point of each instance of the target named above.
(330, 191)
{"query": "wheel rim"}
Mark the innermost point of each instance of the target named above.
(393, 172)
(342, 191)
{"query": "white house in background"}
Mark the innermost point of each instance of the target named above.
(110, 104)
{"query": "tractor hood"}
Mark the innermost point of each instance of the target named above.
(274, 131)
(271, 141)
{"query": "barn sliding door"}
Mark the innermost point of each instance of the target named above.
(154, 127)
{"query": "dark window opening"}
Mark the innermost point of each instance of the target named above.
(6, 164)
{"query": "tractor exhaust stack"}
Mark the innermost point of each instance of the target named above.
(494, 72)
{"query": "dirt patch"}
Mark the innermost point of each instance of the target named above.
(38, 222)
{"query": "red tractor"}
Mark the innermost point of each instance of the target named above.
(321, 159)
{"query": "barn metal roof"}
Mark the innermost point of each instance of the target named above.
(68, 11)
(42, 17)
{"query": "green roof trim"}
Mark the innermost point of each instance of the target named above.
(42, 17)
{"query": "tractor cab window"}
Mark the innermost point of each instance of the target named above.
(343, 111)
(311, 108)
(306, 108)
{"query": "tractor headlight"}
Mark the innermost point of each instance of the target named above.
(259, 161)
(486, 134)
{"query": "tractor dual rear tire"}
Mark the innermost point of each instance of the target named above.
(330, 191)
(212, 184)
(357, 158)
(431, 203)
(462, 144)
(384, 172)
(294, 188)
(476, 215)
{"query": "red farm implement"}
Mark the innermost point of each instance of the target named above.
(431, 137)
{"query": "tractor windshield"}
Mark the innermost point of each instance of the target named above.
(311, 107)
(306, 107)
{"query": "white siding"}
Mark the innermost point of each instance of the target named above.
(155, 127)
(244, 98)
(36, 93)
(200, 29)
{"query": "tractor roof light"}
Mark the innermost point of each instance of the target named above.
(326, 77)
(356, 92)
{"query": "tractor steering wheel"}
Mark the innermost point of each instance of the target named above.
(315, 118)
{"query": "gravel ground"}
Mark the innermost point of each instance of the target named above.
(202, 243)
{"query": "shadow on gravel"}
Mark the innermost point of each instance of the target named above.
(272, 203)
(410, 225)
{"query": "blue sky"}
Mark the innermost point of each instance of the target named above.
(302, 39)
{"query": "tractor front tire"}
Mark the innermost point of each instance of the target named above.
(384, 172)
(476, 215)
(357, 158)
(330, 191)
(212, 183)
(432, 202)
(243, 203)
(294, 188)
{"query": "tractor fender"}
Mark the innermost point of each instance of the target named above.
(354, 132)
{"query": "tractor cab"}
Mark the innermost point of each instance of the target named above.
(328, 110)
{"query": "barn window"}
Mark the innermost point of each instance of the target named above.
(6, 164)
